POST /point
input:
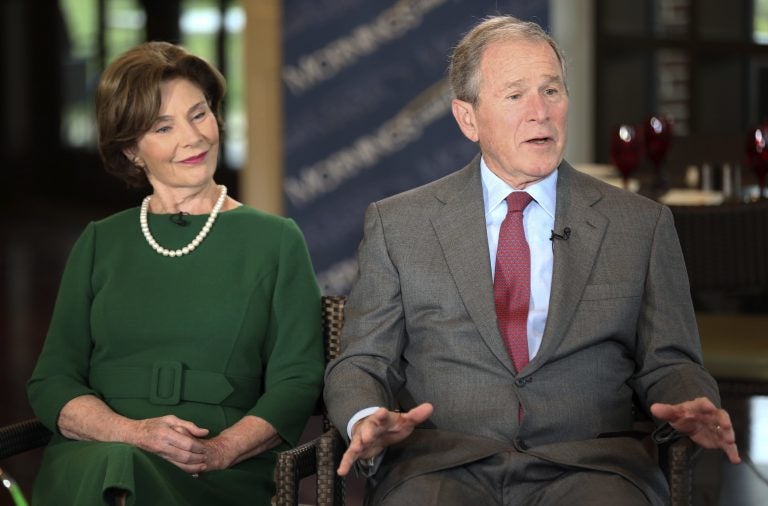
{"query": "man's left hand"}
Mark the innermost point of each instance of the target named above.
(700, 420)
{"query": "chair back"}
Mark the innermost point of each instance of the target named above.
(725, 249)
(332, 321)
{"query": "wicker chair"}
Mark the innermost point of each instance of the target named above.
(21, 437)
(321, 456)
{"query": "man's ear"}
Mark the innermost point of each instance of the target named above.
(464, 113)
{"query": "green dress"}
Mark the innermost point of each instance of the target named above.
(231, 329)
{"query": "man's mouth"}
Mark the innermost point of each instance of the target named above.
(539, 140)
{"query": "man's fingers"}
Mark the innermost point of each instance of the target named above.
(706, 424)
(733, 453)
(347, 461)
(353, 453)
(378, 430)
(420, 413)
(663, 411)
(728, 437)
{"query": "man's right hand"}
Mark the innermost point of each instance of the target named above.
(375, 432)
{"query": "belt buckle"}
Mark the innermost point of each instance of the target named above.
(165, 387)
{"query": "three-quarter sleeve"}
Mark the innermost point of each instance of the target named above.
(294, 348)
(61, 373)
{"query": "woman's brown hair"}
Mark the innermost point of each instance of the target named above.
(128, 99)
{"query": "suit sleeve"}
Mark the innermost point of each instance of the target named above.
(670, 366)
(368, 372)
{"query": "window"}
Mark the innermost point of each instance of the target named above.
(760, 22)
(702, 62)
(99, 30)
(202, 22)
(124, 23)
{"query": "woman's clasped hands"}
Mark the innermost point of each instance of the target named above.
(183, 444)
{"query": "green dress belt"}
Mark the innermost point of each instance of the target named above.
(169, 382)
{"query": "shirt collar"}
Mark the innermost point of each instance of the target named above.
(495, 190)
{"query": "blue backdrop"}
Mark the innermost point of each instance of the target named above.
(367, 110)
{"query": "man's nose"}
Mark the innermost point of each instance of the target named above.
(538, 109)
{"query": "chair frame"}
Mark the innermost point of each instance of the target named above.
(322, 455)
(22, 436)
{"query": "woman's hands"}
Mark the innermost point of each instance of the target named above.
(177, 441)
(180, 442)
(248, 437)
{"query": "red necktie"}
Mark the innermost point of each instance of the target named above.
(512, 280)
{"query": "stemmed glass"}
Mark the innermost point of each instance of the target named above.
(625, 151)
(757, 154)
(658, 135)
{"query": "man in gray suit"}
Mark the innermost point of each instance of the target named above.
(436, 410)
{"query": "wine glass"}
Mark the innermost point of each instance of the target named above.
(625, 150)
(757, 154)
(657, 136)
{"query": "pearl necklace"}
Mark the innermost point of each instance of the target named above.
(195, 242)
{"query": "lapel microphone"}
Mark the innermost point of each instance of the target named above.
(561, 237)
(179, 220)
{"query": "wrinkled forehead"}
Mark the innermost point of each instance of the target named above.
(520, 59)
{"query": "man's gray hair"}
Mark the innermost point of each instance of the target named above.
(464, 68)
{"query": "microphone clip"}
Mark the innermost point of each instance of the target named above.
(178, 219)
(561, 237)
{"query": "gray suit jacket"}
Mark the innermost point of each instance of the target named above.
(421, 327)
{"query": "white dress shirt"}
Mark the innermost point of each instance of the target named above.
(538, 223)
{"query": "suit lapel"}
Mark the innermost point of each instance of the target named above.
(574, 259)
(460, 228)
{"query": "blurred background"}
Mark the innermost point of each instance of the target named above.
(333, 104)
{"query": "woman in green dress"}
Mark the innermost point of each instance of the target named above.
(184, 350)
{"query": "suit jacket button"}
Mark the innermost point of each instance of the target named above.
(520, 444)
(520, 382)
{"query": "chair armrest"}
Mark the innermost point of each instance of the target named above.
(292, 466)
(22, 436)
(320, 456)
(677, 461)
(330, 486)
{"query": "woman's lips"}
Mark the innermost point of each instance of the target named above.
(194, 160)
